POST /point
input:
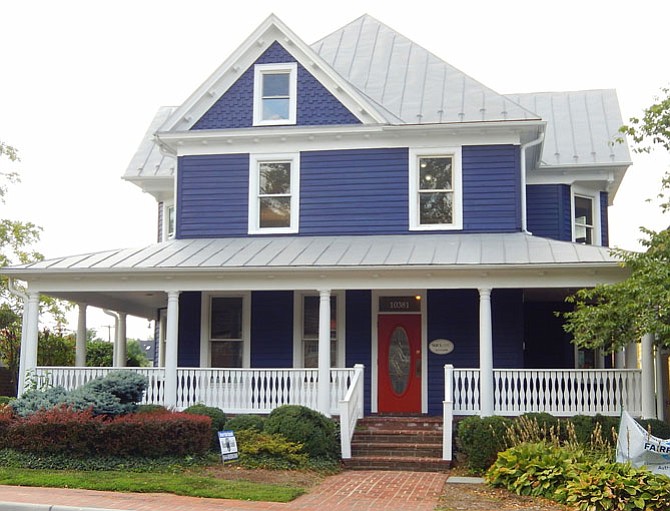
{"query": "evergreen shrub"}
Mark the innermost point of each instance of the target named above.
(246, 422)
(217, 416)
(481, 439)
(316, 432)
(272, 451)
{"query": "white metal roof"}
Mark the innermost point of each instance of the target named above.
(333, 252)
(408, 80)
(581, 126)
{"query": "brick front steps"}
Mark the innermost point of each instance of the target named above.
(397, 443)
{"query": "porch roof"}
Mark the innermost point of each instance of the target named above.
(329, 252)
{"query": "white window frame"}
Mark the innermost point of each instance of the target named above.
(594, 197)
(263, 69)
(298, 323)
(205, 322)
(414, 203)
(167, 206)
(254, 199)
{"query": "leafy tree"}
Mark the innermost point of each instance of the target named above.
(55, 348)
(100, 353)
(611, 316)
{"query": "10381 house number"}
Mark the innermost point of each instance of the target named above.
(400, 304)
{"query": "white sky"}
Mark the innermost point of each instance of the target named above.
(81, 80)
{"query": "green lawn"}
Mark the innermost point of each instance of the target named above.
(179, 483)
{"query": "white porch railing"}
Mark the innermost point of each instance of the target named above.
(560, 392)
(351, 409)
(233, 390)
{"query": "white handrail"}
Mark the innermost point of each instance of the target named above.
(351, 409)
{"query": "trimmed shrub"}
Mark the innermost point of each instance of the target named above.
(263, 450)
(4, 400)
(246, 422)
(151, 409)
(656, 427)
(6, 419)
(157, 434)
(81, 433)
(58, 430)
(127, 386)
(481, 439)
(299, 424)
(218, 418)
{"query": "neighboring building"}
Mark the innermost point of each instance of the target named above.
(360, 201)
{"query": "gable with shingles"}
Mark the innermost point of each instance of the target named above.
(315, 104)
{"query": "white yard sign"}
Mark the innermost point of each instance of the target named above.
(641, 449)
(228, 445)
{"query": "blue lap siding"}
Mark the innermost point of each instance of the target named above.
(272, 329)
(345, 192)
(550, 211)
(604, 219)
(359, 335)
(189, 329)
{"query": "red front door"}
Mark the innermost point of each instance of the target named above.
(399, 363)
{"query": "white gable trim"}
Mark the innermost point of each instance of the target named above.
(271, 30)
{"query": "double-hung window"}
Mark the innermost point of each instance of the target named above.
(306, 349)
(226, 331)
(435, 189)
(584, 227)
(275, 90)
(273, 193)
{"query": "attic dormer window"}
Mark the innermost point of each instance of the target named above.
(275, 87)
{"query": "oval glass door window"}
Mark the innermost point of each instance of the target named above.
(399, 360)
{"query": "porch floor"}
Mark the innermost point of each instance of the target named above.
(347, 491)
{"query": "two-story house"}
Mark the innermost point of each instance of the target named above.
(360, 202)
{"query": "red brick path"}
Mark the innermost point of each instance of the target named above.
(348, 491)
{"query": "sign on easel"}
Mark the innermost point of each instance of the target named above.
(228, 445)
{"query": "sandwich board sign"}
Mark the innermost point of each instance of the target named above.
(228, 445)
(640, 448)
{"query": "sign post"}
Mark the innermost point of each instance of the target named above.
(228, 445)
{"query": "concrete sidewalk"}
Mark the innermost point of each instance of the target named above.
(347, 491)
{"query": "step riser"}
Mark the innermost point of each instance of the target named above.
(406, 453)
(398, 443)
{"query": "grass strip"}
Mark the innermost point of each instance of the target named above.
(176, 483)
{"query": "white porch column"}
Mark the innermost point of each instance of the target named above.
(121, 341)
(661, 386)
(620, 359)
(648, 379)
(323, 401)
(80, 347)
(29, 337)
(485, 353)
(631, 356)
(171, 349)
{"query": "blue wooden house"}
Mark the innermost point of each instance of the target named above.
(358, 226)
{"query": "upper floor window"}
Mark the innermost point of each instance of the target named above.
(275, 90)
(435, 189)
(273, 193)
(583, 224)
(169, 221)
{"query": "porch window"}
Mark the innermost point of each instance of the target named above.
(275, 90)
(226, 332)
(273, 193)
(306, 349)
(435, 189)
(583, 220)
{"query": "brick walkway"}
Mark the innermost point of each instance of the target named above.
(348, 491)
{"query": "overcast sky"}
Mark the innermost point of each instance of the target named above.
(81, 80)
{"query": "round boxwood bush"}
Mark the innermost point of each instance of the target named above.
(246, 422)
(218, 420)
(316, 432)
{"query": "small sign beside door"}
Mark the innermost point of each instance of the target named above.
(441, 346)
